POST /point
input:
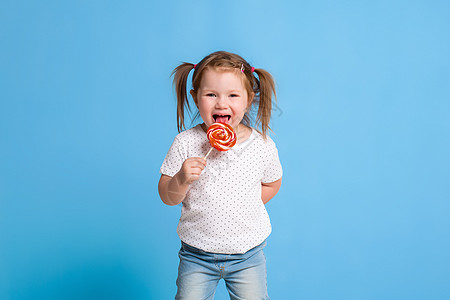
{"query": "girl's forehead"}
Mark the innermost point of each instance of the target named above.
(222, 76)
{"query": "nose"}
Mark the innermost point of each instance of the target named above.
(221, 102)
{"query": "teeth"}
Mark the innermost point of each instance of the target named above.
(215, 116)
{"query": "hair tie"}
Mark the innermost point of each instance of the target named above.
(195, 66)
(253, 69)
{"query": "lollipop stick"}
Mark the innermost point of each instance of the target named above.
(208, 152)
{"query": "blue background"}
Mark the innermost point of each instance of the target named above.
(362, 126)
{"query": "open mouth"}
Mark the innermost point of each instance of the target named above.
(221, 118)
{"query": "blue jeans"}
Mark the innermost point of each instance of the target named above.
(199, 273)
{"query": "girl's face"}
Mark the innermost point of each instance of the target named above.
(221, 97)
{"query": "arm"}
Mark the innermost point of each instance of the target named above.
(269, 190)
(172, 190)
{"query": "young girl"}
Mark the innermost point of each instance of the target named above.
(223, 224)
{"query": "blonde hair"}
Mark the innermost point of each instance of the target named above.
(262, 87)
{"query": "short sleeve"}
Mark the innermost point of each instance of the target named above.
(174, 159)
(273, 170)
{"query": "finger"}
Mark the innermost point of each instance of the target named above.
(198, 165)
(196, 171)
(200, 160)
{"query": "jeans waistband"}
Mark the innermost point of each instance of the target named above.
(190, 248)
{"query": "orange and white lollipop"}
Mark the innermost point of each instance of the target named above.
(221, 136)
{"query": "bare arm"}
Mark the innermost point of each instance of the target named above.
(269, 190)
(172, 190)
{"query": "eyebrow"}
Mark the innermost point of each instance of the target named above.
(214, 90)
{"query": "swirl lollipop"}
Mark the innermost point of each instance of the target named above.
(221, 136)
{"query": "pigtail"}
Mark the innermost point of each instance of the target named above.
(266, 88)
(180, 76)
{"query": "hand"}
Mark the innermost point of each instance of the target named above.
(190, 170)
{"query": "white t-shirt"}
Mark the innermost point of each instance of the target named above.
(223, 211)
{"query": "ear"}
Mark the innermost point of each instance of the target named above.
(250, 100)
(194, 96)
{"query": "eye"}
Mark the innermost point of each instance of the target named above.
(234, 95)
(210, 95)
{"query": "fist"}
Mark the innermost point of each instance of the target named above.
(191, 169)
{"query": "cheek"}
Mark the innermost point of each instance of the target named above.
(246, 105)
(203, 106)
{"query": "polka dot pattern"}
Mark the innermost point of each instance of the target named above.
(223, 211)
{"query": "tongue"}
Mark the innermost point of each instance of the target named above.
(222, 120)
